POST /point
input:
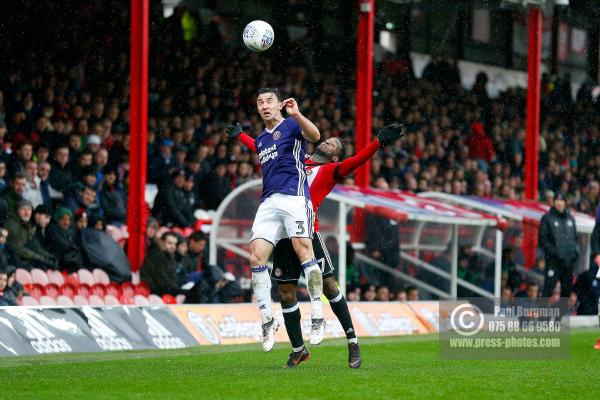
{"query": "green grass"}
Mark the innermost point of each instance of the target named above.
(394, 368)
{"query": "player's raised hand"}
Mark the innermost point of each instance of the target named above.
(291, 107)
(389, 134)
(233, 131)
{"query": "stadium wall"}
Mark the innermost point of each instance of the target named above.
(44, 330)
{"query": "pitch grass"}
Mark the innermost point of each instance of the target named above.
(394, 368)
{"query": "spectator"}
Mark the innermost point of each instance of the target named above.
(13, 195)
(3, 176)
(22, 238)
(86, 201)
(218, 185)
(558, 240)
(412, 293)
(481, 147)
(383, 244)
(383, 293)
(41, 218)
(46, 189)
(159, 269)
(401, 295)
(63, 241)
(14, 291)
(163, 164)
(369, 293)
(61, 177)
(33, 191)
(152, 240)
(170, 205)
(8, 257)
(113, 199)
(3, 282)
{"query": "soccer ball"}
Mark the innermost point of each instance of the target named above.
(258, 35)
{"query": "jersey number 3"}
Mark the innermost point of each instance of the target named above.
(301, 229)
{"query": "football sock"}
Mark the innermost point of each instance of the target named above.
(291, 317)
(314, 281)
(261, 284)
(340, 309)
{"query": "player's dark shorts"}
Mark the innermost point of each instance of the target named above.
(286, 266)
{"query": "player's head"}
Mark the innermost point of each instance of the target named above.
(330, 149)
(269, 103)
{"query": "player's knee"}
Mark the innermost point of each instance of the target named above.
(330, 289)
(287, 293)
(303, 248)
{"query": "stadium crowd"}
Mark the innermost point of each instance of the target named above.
(64, 134)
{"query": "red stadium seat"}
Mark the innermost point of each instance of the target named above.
(36, 291)
(100, 276)
(72, 279)
(64, 301)
(55, 277)
(47, 301)
(23, 276)
(80, 301)
(52, 290)
(154, 299)
(111, 300)
(140, 300)
(168, 299)
(84, 290)
(95, 300)
(98, 290)
(127, 289)
(68, 290)
(86, 277)
(127, 300)
(30, 301)
(39, 277)
(113, 289)
(142, 288)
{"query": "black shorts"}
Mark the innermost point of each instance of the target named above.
(286, 266)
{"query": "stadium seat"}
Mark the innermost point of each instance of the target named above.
(68, 290)
(73, 279)
(127, 289)
(140, 300)
(135, 277)
(168, 299)
(143, 289)
(23, 276)
(30, 301)
(55, 277)
(36, 291)
(111, 300)
(100, 276)
(47, 301)
(64, 301)
(154, 299)
(39, 277)
(126, 300)
(52, 290)
(84, 290)
(95, 300)
(86, 277)
(180, 298)
(98, 290)
(80, 301)
(113, 289)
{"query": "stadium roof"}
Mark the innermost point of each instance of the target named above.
(520, 210)
(404, 206)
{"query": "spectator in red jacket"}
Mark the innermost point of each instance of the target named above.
(481, 147)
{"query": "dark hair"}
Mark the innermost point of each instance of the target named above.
(167, 234)
(93, 189)
(411, 288)
(275, 91)
(342, 153)
(197, 236)
(18, 175)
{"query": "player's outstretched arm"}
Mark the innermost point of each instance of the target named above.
(309, 130)
(387, 135)
(236, 132)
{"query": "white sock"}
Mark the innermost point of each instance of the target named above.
(314, 281)
(261, 284)
(353, 340)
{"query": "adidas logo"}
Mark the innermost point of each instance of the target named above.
(350, 330)
(262, 307)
